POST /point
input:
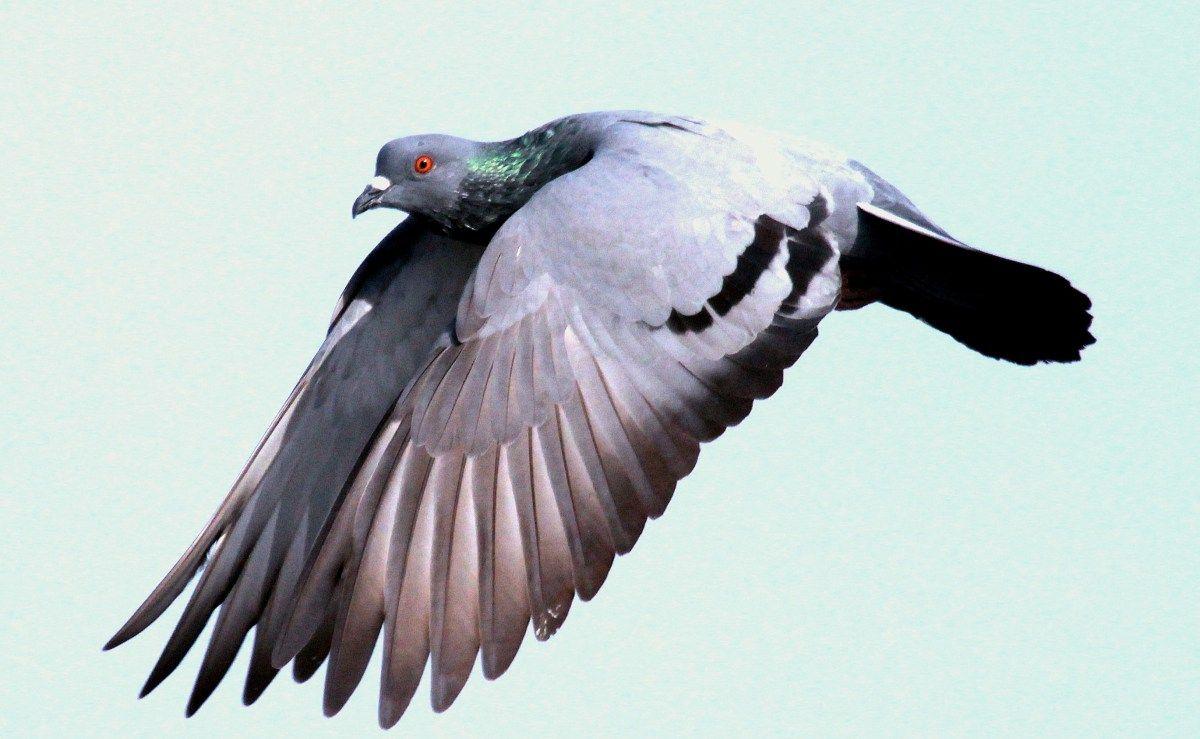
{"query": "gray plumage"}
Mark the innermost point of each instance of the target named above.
(518, 375)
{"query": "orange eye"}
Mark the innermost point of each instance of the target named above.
(423, 164)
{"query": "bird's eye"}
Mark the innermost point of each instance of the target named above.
(423, 164)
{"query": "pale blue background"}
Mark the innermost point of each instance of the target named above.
(908, 539)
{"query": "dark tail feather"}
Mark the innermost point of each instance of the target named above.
(998, 307)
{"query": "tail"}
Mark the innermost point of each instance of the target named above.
(998, 307)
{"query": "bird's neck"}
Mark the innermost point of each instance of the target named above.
(504, 175)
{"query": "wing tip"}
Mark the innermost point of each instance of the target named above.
(256, 684)
(194, 703)
(391, 710)
(153, 681)
(330, 706)
(337, 693)
(443, 691)
(496, 660)
(135, 624)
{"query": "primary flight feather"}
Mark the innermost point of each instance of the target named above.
(515, 379)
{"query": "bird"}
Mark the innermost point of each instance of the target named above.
(514, 380)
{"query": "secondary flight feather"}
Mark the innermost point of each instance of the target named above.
(516, 378)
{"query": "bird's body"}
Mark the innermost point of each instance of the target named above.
(518, 375)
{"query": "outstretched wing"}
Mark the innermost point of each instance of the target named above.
(631, 310)
(399, 303)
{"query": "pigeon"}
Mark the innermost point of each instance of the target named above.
(517, 376)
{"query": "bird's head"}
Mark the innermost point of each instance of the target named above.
(467, 188)
(421, 175)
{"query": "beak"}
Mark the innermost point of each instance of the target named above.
(371, 196)
(368, 200)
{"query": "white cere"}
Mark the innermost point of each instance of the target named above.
(379, 183)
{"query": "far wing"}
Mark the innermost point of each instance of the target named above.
(398, 305)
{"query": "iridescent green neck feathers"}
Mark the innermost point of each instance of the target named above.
(504, 175)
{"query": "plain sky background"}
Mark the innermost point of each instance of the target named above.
(908, 539)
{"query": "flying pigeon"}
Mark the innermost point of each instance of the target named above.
(517, 376)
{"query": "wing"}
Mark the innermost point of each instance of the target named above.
(398, 305)
(448, 488)
(631, 310)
